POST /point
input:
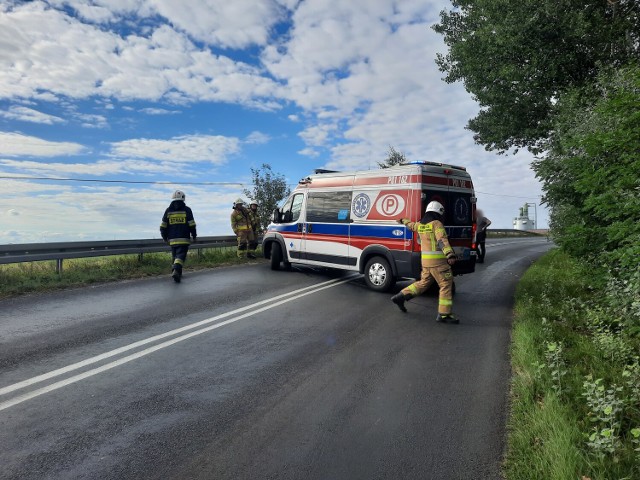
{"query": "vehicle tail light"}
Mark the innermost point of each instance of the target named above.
(473, 236)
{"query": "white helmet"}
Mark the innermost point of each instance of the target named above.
(178, 195)
(435, 207)
(238, 202)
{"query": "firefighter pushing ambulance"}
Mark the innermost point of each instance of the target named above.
(437, 259)
(241, 226)
(177, 228)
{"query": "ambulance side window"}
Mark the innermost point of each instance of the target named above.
(329, 207)
(291, 210)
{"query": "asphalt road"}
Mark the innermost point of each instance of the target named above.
(245, 373)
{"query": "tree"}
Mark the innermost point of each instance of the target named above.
(393, 158)
(591, 173)
(269, 189)
(517, 57)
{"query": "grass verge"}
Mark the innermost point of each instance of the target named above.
(20, 278)
(575, 395)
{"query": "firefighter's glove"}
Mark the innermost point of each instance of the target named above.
(451, 260)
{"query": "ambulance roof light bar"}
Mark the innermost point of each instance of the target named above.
(434, 164)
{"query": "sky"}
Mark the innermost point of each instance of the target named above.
(108, 106)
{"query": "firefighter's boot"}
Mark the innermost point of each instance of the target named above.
(399, 300)
(447, 318)
(177, 273)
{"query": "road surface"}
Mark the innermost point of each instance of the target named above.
(245, 373)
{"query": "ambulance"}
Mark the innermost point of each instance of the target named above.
(348, 220)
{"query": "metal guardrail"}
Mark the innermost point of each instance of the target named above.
(505, 232)
(59, 251)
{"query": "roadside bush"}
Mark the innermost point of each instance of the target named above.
(576, 361)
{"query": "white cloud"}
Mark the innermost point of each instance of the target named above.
(94, 211)
(309, 152)
(25, 114)
(100, 168)
(232, 24)
(159, 111)
(257, 138)
(92, 121)
(188, 148)
(45, 51)
(16, 144)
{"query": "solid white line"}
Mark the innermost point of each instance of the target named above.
(63, 383)
(117, 351)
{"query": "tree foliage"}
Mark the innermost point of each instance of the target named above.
(517, 57)
(393, 158)
(269, 189)
(591, 173)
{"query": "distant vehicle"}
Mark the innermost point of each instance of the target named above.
(348, 220)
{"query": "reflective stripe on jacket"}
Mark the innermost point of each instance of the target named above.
(178, 224)
(434, 242)
(240, 220)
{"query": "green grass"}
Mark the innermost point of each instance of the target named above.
(557, 342)
(20, 278)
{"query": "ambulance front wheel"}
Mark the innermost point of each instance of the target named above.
(276, 256)
(378, 275)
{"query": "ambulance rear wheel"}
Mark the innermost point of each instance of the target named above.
(276, 256)
(378, 275)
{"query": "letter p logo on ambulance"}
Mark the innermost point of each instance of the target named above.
(390, 205)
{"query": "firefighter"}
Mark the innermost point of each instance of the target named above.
(177, 226)
(255, 227)
(437, 259)
(241, 225)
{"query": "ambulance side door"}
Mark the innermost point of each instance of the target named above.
(294, 229)
(327, 229)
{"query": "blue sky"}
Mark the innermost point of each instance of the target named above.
(197, 92)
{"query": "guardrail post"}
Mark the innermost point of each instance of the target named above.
(140, 256)
(59, 266)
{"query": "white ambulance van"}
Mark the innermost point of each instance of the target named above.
(348, 220)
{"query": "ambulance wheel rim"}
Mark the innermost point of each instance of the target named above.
(377, 274)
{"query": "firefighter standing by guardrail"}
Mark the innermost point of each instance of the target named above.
(255, 227)
(437, 259)
(241, 226)
(177, 228)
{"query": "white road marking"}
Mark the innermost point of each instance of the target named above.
(54, 386)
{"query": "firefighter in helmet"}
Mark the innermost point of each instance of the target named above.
(255, 227)
(437, 259)
(241, 225)
(177, 228)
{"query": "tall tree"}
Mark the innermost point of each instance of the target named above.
(393, 158)
(591, 172)
(516, 57)
(269, 189)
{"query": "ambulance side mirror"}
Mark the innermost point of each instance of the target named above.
(276, 216)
